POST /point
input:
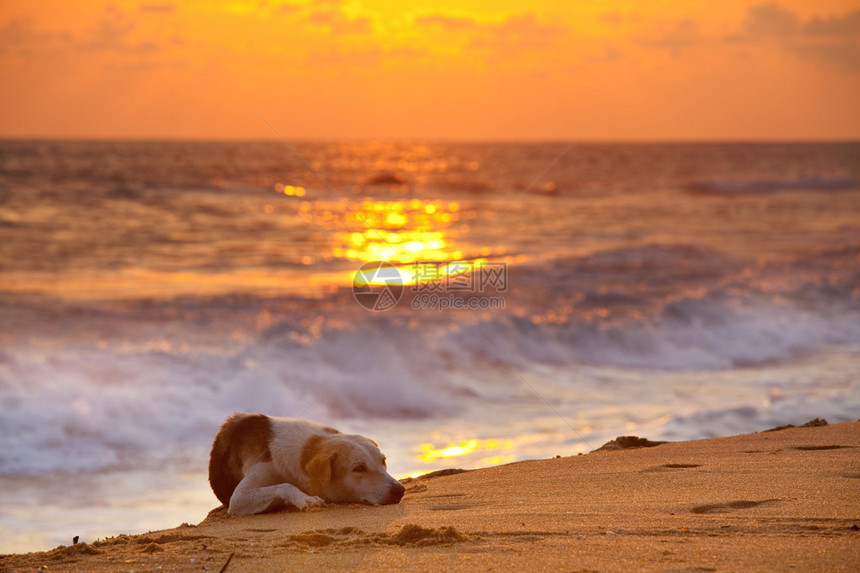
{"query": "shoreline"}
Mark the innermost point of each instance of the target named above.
(774, 500)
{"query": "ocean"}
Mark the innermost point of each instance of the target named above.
(542, 299)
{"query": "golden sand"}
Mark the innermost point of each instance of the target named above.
(787, 500)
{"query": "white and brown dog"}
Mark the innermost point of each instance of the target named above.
(259, 463)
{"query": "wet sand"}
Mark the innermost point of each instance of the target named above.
(785, 500)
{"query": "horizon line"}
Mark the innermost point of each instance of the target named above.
(417, 139)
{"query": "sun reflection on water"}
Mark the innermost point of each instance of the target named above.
(400, 232)
(431, 454)
(420, 238)
(490, 452)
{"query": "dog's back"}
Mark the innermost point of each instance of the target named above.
(242, 438)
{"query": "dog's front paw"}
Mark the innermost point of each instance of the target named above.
(308, 501)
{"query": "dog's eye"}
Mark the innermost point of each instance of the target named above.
(360, 468)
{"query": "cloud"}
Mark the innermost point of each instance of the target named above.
(527, 27)
(769, 21)
(23, 38)
(830, 41)
(114, 32)
(480, 39)
(833, 40)
(338, 23)
(683, 35)
(112, 35)
(515, 35)
(845, 55)
(287, 8)
(523, 27)
(835, 26)
(151, 8)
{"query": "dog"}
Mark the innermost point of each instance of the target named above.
(259, 463)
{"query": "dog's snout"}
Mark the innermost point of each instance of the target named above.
(395, 493)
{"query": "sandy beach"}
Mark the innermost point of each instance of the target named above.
(582, 270)
(772, 501)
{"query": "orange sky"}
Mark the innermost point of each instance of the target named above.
(451, 69)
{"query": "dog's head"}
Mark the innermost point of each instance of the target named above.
(349, 469)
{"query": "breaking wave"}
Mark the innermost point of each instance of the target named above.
(85, 408)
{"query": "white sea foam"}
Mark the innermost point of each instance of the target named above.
(88, 408)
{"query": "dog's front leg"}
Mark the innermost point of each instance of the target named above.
(259, 491)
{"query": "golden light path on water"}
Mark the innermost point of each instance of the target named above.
(404, 234)
(480, 453)
(401, 232)
(501, 452)
(407, 234)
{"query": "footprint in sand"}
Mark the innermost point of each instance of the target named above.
(816, 448)
(408, 535)
(667, 467)
(729, 506)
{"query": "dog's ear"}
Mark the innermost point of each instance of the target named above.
(318, 461)
(321, 468)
